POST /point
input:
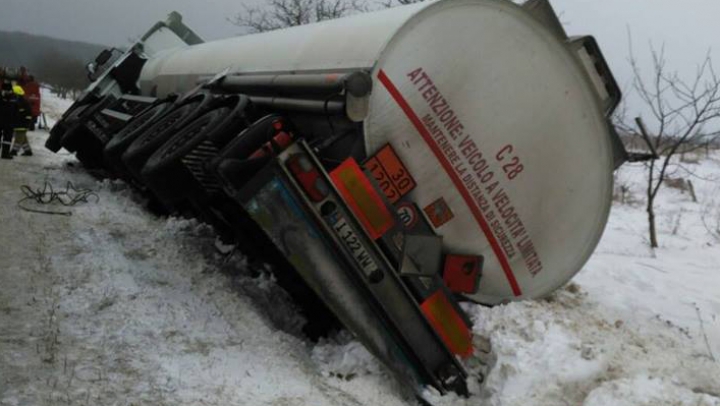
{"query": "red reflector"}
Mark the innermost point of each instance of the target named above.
(308, 177)
(282, 140)
(462, 273)
(448, 324)
(278, 144)
(362, 198)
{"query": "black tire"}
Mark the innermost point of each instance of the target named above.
(137, 154)
(257, 134)
(118, 144)
(78, 134)
(232, 166)
(54, 141)
(73, 135)
(89, 153)
(176, 171)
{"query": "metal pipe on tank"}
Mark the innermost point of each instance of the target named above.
(357, 83)
(317, 93)
(326, 107)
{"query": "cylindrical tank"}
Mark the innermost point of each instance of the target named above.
(492, 112)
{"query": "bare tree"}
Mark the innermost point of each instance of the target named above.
(683, 114)
(64, 73)
(278, 14)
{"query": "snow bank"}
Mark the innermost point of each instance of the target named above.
(114, 306)
(636, 327)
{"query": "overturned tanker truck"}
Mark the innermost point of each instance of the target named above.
(390, 164)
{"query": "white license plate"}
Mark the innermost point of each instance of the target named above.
(353, 243)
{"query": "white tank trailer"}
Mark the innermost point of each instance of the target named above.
(490, 106)
(499, 125)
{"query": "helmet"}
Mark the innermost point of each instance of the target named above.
(18, 90)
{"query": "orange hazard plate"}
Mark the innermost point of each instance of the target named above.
(448, 324)
(390, 173)
(362, 198)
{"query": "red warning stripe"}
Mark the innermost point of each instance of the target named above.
(410, 113)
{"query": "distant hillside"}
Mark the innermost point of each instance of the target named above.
(21, 49)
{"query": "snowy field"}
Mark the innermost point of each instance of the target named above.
(113, 306)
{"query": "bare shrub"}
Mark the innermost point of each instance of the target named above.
(276, 14)
(622, 192)
(683, 112)
(65, 74)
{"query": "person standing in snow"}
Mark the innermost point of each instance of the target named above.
(15, 115)
(23, 117)
(32, 95)
(7, 115)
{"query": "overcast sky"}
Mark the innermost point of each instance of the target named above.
(688, 28)
(112, 22)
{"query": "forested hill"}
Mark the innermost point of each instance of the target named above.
(35, 51)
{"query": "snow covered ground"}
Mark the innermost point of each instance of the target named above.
(113, 306)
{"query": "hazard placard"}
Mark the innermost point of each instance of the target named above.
(438, 212)
(390, 174)
(448, 324)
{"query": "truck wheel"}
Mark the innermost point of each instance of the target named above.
(76, 135)
(137, 154)
(118, 144)
(54, 141)
(89, 154)
(176, 170)
(238, 162)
